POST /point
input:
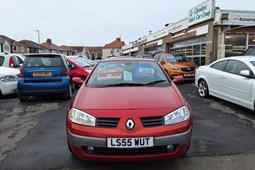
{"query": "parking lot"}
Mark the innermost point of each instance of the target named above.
(33, 136)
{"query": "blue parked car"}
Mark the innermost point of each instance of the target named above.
(44, 74)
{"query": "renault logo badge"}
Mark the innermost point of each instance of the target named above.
(130, 124)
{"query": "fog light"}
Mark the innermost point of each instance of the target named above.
(90, 149)
(169, 147)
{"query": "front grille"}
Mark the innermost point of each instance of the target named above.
(130, 151)
(152, 121)
(188, 69)
(107, 122)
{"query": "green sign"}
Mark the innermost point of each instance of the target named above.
(201, 12)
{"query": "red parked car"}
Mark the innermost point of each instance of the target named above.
(128, 110)
(79, 67)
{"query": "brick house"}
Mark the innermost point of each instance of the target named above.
(49, 47)
(113, 48)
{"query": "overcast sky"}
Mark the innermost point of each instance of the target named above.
(95, 22)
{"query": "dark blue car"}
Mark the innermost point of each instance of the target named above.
(44, 74)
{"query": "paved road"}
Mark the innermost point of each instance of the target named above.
(32, 136)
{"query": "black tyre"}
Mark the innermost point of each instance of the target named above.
(22, 97)
(68, 94)
(203, 89)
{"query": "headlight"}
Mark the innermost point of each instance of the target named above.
(174, 68)
(177, 116)
(9, 78)
(80, 117)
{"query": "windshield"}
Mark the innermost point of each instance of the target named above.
(80, 62)
(253, 63)
(176, 58)
(127, 73)
(43, 61)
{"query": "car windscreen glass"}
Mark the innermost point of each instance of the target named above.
(80, 62)
(43, 61)
(127, 73)
(148, 56)
(1, 60)
(181, 58)
(171, 59)
(253, 63)
(219, 65)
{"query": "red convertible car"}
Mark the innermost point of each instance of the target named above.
(128, 110)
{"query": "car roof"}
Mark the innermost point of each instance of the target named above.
(42, 54)
(241, 58)
(72, 56)
(128, 59)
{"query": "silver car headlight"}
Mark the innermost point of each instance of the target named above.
(9, 78)
(174, 68)
(177, 116)
(80, 117)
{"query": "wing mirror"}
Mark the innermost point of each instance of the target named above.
(77, 81)
(245, 73)
(178, 79)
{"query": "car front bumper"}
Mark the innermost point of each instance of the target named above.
(180, 141)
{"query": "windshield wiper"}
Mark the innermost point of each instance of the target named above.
(154, 82)
(122, 84)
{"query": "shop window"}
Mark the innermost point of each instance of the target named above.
(235, 44)
(196, 60)
(202, 61)
(182, 51)
(196, 49)
(172, 50)
(177, 50)
(251, 40)
(189, 50)
(203, 49)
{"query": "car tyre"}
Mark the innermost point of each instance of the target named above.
(69, 93)
(22, 97)
(203, 89)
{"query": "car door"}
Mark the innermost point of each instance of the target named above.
(233, 86)
(213, 76)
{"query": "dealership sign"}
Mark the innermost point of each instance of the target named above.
(243, 20)
(201, 12)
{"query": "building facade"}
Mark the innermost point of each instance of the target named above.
(207, 34)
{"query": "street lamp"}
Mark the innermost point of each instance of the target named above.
(38, 32)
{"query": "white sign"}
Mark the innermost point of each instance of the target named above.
(243, 20)
(201, 12)
(181, 25)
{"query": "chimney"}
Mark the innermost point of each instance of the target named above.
(118, 39)
(49, 41)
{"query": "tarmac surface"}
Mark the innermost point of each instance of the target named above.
(32, 136)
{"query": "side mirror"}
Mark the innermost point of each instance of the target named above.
(77, 81)
(245, 73)
(178, 79)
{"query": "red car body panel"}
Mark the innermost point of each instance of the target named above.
(79, 71)
(125, 103)
(101, 98)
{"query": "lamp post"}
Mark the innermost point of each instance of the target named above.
(38, 32)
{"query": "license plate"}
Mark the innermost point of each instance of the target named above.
(188, 75)
(42, 74)
(130, 142)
